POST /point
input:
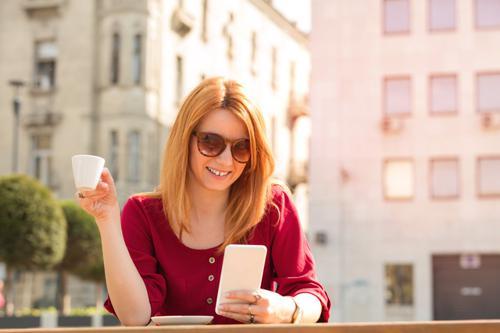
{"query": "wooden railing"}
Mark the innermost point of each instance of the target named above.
(475, 326)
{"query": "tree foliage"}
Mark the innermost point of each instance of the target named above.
(83, 256)
(32, 224)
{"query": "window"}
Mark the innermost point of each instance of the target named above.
(45, 65)
(137, 59)
(488, 92)
(398, 179)
(397, 93)
(396, 16)
(274, 69)
(180, 80)
(134, 156)
(228, 32)
(204, 21)
(153, 171)
(444, 178)
(292, 78)
(443, 94)
(114, 148)
(41, 157)
(253, 57)
(274, 134)
(399, 284)
(488, 173)
(153, 158)
(442, 14)
(488, 13)
(115, 58)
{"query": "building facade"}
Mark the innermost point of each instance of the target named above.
(405, 157)
(107, 77)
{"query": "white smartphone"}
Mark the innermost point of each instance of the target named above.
(242, 269)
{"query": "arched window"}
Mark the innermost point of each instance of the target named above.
(204, 21)
(137, 59)
(134, 156)
(115, 58)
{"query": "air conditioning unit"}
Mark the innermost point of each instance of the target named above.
(490, 120)
(391, 124)
(182, 22)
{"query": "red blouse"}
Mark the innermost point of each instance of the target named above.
(184, 281)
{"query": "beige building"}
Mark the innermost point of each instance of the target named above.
(405, 157)
(106, 77)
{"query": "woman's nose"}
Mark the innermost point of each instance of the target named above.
(226, 157)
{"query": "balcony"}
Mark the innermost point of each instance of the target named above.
(45, 7)
(182, 22)
(45, 119)
(298, 173)
(297, 107)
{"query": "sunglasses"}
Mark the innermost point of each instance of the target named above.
(212, 145)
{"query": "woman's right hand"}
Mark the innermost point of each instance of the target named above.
(102, 202)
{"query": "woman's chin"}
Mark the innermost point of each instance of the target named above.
(217, 185)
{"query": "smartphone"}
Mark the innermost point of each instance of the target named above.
(242, 269)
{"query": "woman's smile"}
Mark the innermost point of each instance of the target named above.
(218, 173)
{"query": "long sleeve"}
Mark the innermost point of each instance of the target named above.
(294, 268)
(137, 236)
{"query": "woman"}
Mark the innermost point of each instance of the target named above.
(165, 257)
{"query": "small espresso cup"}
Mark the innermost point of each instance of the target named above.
(87, 171)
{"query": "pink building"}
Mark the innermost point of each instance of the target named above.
(405, 159)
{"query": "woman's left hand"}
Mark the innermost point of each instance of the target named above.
(262, 306)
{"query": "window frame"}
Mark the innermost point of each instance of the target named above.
(396, 33)
(476, 20)
(413, 284)
(478, 74)
(45, 60)
(443, 113)
(384, 189)
(114, 153)
(114, 68)
(179, 79)
(441, 30)
(253, 53)
(45, 155)
(274, 68)
(204, 20)
(384, 97)
(138, 47)
(131, 178)
(459, 183)
(478, 177)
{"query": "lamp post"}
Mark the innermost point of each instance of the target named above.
(16, 107)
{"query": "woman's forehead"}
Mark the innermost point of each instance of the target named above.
(225, 123)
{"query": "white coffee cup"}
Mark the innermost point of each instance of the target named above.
(87, 171)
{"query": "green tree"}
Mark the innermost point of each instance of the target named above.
(83, 256)
(32, 228)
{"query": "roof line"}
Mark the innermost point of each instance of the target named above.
(280, 19)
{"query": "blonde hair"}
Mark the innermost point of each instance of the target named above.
(250, 193)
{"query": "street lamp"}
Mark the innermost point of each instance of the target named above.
(16, 107)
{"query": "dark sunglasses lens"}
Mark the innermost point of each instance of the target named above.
(241, 150)
(210, 144)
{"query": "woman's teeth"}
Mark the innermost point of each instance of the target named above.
(218, 173)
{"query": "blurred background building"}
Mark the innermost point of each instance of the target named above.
(405, 157)
(107, 77)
